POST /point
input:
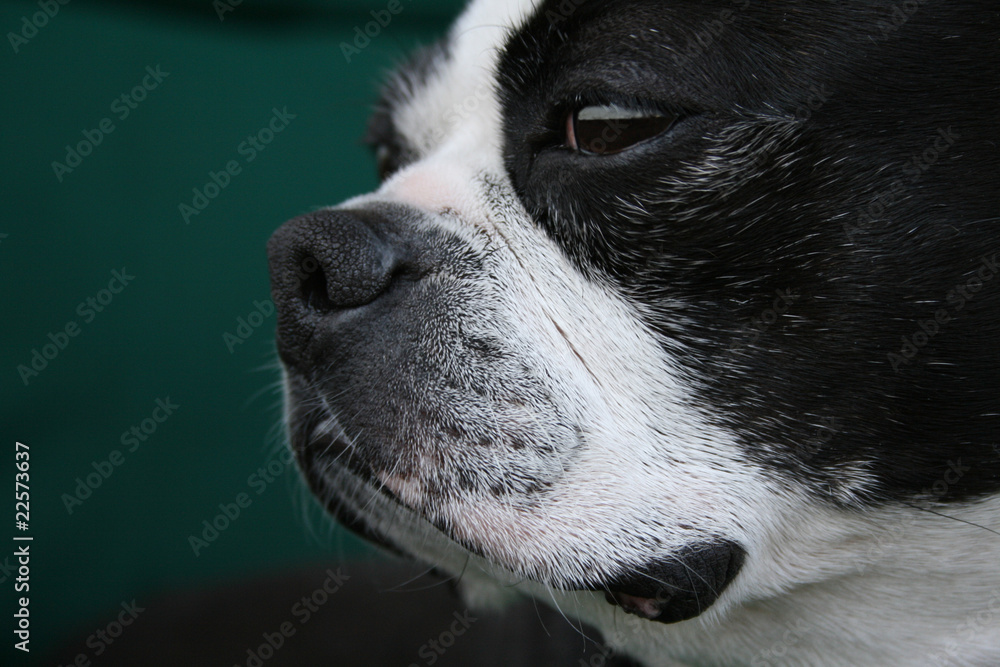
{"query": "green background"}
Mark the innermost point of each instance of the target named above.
(162, 336)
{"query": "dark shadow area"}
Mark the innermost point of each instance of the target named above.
(357, 614)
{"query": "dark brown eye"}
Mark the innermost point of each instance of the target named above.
(603, 130)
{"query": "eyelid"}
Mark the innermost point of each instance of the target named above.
(613, 112)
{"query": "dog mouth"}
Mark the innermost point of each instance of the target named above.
(667, 589)
(680, 587)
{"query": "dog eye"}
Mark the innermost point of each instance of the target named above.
(386, 161)
(607, 129)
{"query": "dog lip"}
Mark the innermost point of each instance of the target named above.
(649, 608)
(318, 455)
(679, 587)
(324, 450)
(326, 446)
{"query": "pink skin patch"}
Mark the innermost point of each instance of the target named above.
(633, 604)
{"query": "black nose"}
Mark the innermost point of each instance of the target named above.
(323, 264)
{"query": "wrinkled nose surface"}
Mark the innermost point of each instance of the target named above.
(322, 265)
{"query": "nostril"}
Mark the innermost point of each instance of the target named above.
(314, 291)
(329, 261)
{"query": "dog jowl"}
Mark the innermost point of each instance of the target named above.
(527, 356)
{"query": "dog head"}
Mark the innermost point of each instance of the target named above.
(673, 302)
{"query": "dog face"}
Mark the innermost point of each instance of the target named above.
(683, 307)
